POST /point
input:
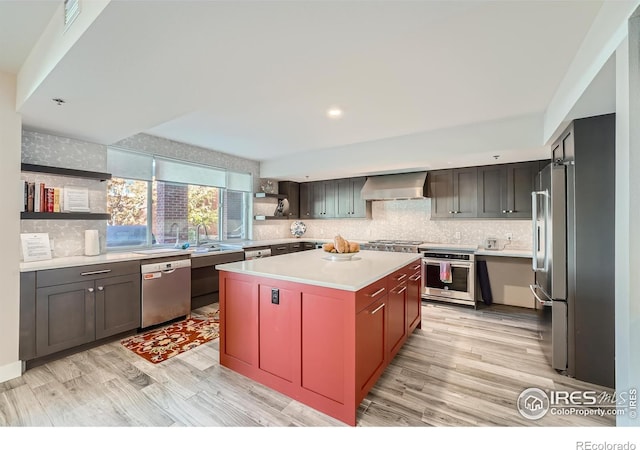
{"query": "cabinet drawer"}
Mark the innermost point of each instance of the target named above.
(400, 276)
(370, 294)
(53, 277)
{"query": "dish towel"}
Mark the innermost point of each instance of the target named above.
(445, 272)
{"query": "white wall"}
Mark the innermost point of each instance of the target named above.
(10, 132)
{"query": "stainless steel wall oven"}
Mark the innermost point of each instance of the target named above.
(449, 276)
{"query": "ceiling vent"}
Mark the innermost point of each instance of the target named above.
(71, 11)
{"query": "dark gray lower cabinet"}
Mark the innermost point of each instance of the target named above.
(64, 308)
(65, 317)
(117, 310)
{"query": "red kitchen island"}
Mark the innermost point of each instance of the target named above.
(317, 330)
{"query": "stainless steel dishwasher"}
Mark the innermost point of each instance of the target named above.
(166, 291)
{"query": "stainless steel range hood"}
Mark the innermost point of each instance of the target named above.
(395, 187)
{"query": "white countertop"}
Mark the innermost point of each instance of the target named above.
(235, 246)
(112, 257)
(312, 267)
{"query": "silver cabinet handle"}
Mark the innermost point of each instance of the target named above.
(401, 277)
(376, 293)
(95, 272)
(90, 289)
(404, 288)
(101, 288)
(533, 291)
(377, 309)
(416, 267)
(415, 277)
(536, 230)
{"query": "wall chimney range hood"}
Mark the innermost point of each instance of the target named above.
(395, 187)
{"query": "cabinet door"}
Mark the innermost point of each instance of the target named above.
(361, 208)
(344, 198)
(441, 191)
(414, 298)
(117, 305)
(306, 200)
(318, 200)
(292, 190)
(492, 192)
(371, 324)
(465, 192)
(324, 194)
(279, 332)
(520, 183)
(397, 331)
(65, 317)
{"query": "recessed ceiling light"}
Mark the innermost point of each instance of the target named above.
(334, 113)
(59, 101)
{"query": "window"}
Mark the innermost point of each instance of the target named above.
(127, 204)
(173, 202)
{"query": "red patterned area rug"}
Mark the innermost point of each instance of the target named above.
(159, 345)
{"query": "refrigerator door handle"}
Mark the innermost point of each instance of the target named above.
(536, 229)
(533, 288)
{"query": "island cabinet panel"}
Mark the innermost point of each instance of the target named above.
(323, 345)
(414, 298)
(239, 322)
(279, 331)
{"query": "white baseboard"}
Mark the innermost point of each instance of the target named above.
(10, 371)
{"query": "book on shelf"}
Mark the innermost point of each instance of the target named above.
(43, 198)
(49, 199)
(25, 195)
(31, 190)
(56, 200)
(36, 197)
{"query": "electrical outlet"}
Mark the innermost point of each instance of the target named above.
(456, 235)
(509, 236)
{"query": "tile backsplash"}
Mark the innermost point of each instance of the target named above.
(404, 220)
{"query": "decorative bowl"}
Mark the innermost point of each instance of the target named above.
(339, 256)
(298, 228)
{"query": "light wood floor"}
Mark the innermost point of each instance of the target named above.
(464, 367)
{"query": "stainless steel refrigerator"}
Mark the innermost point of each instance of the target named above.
(573, 246)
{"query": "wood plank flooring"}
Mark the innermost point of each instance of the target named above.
(464, 367)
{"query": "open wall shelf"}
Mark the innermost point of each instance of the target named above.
(101, 176)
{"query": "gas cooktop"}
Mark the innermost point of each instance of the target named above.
(389, 245)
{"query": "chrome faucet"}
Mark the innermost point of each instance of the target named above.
(177, 232)
(198, 233)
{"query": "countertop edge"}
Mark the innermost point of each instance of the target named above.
(108, 258)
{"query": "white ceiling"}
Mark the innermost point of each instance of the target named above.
(254, 79)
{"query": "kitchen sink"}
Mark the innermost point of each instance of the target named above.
(205, 249)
